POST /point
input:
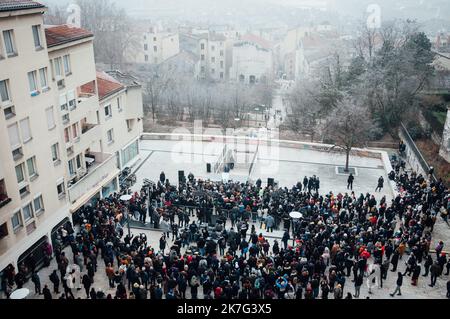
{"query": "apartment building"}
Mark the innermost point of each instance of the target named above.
(57, 152)
(253, 60)
(211, 48)
(153, 46)
(32, 184)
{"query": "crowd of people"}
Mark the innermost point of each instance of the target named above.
(341, 241)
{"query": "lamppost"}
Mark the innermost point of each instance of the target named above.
(126, 198)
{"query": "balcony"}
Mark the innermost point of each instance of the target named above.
(101, 168)
(4, 199)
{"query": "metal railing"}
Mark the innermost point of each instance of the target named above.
(413, 151)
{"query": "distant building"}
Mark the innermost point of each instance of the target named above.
(252, 60)
(441, 42)
(210, 48)
(154, 46)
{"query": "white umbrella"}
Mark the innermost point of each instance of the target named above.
(125, 198)
(20, 293)
(296, 215)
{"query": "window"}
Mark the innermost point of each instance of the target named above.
(202, 69)
(75, 130)
(78, 161)
(24, 191)
(221, 52)
(20, 173)
(50, 118)
(155, 48)
(213, 60)
(16, 220)
(119, 103)
(17, 153)
(66, 135)
(72, 170)
(55, 152)
(130, 152)
(9, 112)
(221, 75)
(38, 204)
(31, 165)
(14, 138)
(110, 136)
(4, 199)
(202, 46)
(71, 99)
(58, 67)
(8, 36)
(130, 125)
(213, 71)
(145, 47)
(202, 57)
(221, 64)
(213, 48)
(32, 82)
(60, 189)
(154, 38)
(4, 92)
(3, 231)
(146, 58)
(63, 102)
(25, 129)
(37, 36)
(108, 112)
(67, 69)
(43, 78)
(27, 212)
(66, 118)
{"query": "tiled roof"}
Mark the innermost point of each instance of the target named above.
(263, 43)
(61, 34)
(107, 85)
(12, 5)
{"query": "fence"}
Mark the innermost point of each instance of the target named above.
(414, 156)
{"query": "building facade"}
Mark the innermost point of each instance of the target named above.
(59, 150)
(252, 60)
(154, 46)
(211, 50)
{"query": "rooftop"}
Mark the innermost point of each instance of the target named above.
(263, 43)
(123, 78)
(61, 34)
(13, 5)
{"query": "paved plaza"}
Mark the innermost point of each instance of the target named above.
(287, 167)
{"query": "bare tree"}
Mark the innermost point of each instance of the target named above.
(305, 110)
(156, 83)
(348, 126)
(112, 29)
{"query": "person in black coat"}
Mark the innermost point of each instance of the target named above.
(394, 260)
(415, 275)
(55, 281)
(86, 281)
(427, 265)
(350, 180)
(47, 294)
(380, 184)
(399, 285)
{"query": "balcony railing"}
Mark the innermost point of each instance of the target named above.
(4, 200)
(97, 173)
